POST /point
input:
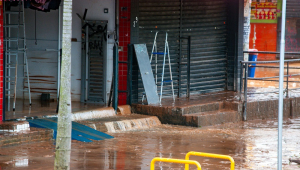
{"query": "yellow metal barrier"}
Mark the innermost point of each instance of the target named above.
(178, 161)
(202, 154)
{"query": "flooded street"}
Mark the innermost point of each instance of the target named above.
(252, 144)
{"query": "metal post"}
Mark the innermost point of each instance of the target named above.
(188, 89)
(129, 74)
(4, 91)
(241, 81)
(58, 51)
(15, 85)
(245, 92)
(115, 76)
(83, 74)
(247, 12)
(281, 74)
(180, 52)
(117, 21)
(287, 79)
(87, 56)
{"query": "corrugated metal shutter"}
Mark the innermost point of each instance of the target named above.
(96, 89)
(292, 8)
(161, 15)
(292, 26)
(95, 61)
(205, 22)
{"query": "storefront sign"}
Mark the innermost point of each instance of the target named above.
(264, 10)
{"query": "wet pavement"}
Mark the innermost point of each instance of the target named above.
(268, 90)
(252, 144)
(260, 72)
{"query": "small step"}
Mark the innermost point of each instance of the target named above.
(122, 123)
(212, 118)
(205, 107)
(17, 138)
(14, 126)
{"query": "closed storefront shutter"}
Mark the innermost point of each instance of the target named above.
(292, 8)
(205, 22)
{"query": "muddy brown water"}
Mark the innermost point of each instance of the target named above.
(252, 144)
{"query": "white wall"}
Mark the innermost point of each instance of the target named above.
(43, 65)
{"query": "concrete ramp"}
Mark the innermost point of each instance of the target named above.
(122, 123)
(93, 114)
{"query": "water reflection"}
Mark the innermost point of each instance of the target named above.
(252, 144)
(21, 162)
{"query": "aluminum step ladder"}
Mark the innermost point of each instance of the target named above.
(15, 48)
(165, 53)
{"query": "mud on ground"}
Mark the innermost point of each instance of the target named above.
(252, 144)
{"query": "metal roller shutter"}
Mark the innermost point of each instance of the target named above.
(292, 8)
(161, 15)
(205, 22)
(93, 88)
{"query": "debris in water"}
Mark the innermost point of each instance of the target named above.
(124, 110)
(297, 161)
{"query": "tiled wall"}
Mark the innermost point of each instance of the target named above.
(124, 40)
(1, 60)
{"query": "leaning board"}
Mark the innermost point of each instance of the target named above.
(146, 73)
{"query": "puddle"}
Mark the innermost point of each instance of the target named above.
(252, 144)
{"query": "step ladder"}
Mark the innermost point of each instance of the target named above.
(165, 53)
(15, 48)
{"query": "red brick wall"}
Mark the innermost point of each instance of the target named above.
(266, 40)
(124, 40)
(1, 61)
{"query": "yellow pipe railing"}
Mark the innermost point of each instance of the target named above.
(178, 161)
(202, 154)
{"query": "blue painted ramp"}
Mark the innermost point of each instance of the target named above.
(79, 132)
